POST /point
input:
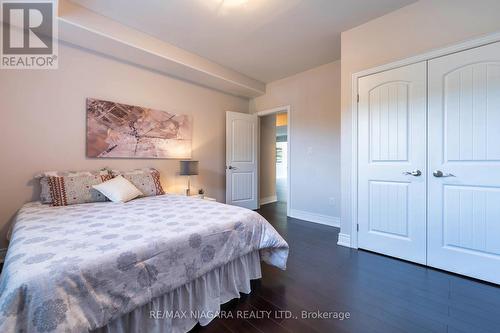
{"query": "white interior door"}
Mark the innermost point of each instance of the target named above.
(464, 141)
(392, 161)
(241, 159)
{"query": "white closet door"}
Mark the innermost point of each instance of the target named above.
(464, 141)
(391, 161)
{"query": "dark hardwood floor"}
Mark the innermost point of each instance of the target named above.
(380, 293)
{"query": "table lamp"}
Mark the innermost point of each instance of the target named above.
(189, 168)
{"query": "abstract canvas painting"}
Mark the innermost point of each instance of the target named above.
(126, 131)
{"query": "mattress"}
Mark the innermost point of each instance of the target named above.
(78, 268)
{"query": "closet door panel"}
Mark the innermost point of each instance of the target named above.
(392, 142)
(464, 163)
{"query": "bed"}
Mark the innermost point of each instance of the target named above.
(155, 264)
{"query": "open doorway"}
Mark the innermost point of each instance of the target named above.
(281, 157)
(274, 159)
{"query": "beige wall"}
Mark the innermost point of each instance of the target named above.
(314, 97)
(42, 121)
(417, 28)
(267, 171)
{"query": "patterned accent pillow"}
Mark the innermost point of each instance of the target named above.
(146, 180)
(68, 187)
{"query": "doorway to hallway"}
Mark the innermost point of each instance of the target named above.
(274, 156)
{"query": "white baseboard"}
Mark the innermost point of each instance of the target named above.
(3, 253)
(267, 200)
(344, 240)
(314, 217)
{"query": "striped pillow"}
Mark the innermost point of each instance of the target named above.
(73, 188)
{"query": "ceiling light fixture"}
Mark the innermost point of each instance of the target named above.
(226, 7)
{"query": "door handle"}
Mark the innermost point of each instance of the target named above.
(441, 174)
(232, 168)
(415, 173)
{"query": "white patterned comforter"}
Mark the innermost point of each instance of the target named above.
(75, 268)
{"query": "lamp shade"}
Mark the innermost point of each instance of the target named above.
(189, 168)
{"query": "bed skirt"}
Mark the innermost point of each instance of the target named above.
(195, 302)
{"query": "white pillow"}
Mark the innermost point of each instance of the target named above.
(118, 189)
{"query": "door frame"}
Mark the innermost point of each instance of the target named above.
(352, 199)
(279, 109)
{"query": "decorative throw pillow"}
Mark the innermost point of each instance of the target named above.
(118, 189)
(146, 180)
(45, 191)
(76, 189)
(45, 195)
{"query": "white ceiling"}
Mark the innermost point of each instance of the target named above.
(264, 39)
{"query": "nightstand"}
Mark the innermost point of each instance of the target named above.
(197, 196)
